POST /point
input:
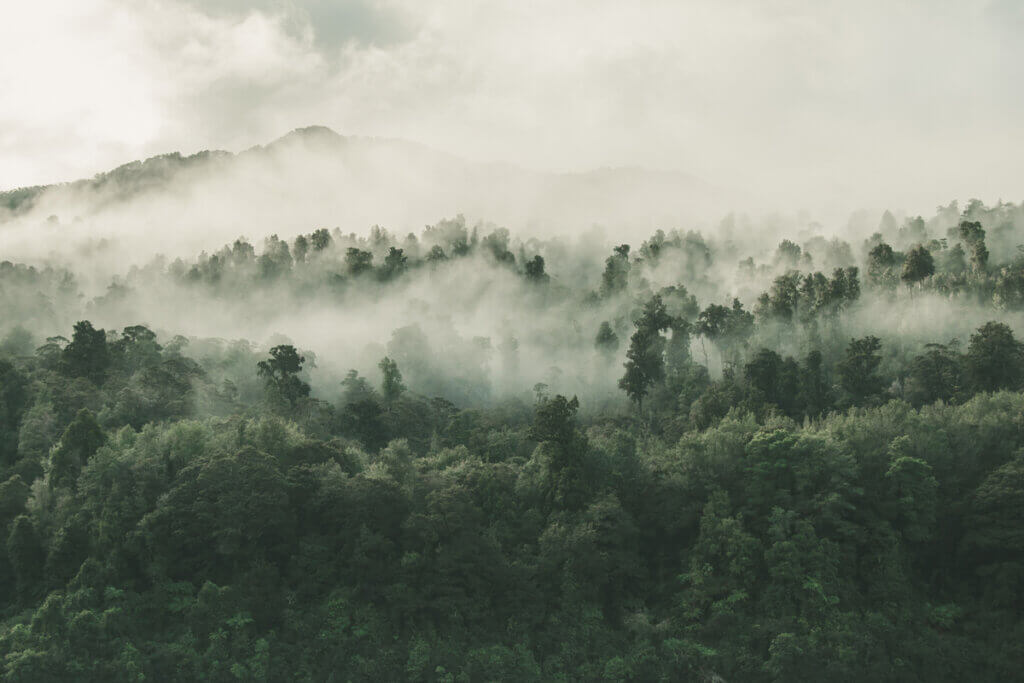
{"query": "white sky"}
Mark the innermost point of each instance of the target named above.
(904, 103)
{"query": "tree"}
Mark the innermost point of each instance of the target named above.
(995, 359)
(136, 349)
(80, 441)
(300, 247)
(535, 270)
(727, 328)
(87, 355)
(762, 373)
(994, 534)
(616, 271)
(281, 375)
(358, 261)
(881, 262)
(395, 263)
(392, 386)
(224, 512)
(912, 493)
(26, 554)
(562, 451)
(320, 239)
(13, 404)
(607, 342)
(973, 235)
(774, 380)
(858, 371)
(936, 374)
(815, 394)
(436, 254)
(361, 411)
(918, 266)
(645, 364)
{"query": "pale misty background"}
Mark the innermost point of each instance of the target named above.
(826, 106)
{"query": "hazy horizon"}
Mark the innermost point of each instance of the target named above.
(817, 106)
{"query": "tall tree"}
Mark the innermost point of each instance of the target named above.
(918, 266)
(881, 264)
(616, 271)
(358, 261)
(995, 359)
(562, 451)
(87, 355)
(281, 375)
(535, 270)
(645, 364)
(395, 263)
(973, 235)
(14, 401)
(858, 371)
(80, 441)
(392, 386)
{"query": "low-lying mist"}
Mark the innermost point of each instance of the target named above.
(316, 178)
(470, 310)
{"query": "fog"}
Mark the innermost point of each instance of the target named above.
(800, 104)
(315, 177)
(169, 251)
(142, 143)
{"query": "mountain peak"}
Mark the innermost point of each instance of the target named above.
(311, 133)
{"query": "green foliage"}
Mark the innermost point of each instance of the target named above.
(87, 354)
(995, 359)
(797, 506)
(918, 265)
(392, 386)
(281, 374)
(645, 358)
(858, 371)
(80, 441)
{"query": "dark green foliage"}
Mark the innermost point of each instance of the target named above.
(13, 403)
(881, 265)
(87, 354)
(918, 265)
(534, 270)
(774, 380)
(936, 374)
(727, 328)
(561, 451)
(80, 441)
(616, 271)
(973, 236)
(795, 506)
(320, 239)
(995, 359)
(392, 386)
(281, 375)
(815, 393)
(645, 360)
(26, 556)
(395, 263)
(858, 371)
(358, 261)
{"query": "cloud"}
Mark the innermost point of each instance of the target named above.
(817, 103)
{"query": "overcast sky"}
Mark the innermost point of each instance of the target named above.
(900, 102)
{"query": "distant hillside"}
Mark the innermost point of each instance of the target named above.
(315, 177)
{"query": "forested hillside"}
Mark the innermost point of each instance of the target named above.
(462, 456)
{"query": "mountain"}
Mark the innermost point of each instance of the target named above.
(315, 177)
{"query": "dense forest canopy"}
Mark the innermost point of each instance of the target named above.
(463, 456)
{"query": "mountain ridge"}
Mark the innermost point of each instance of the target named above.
(142, 175)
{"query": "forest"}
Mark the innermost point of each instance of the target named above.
(755, 452)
